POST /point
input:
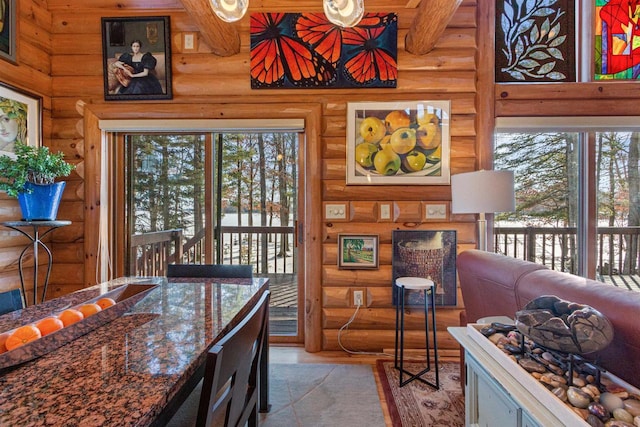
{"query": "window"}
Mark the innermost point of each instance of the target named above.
(577, 185)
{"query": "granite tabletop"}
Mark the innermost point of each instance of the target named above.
(125, 372)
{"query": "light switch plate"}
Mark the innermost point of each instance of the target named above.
(435, 211)
(335, 211)
(385, 211)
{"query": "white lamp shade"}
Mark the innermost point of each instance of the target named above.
(230, 10)
(345, 13)
(485, 191)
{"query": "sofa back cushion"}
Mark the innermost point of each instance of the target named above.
(488, 283)
(620, 306)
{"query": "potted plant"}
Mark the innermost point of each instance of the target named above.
(30, 177)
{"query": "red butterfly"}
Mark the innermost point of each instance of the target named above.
(276, 56)
(318, 31)
(370, 60)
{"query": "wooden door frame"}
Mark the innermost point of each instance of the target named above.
(95, 138)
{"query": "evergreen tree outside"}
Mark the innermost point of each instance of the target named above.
(547, 174)
(167, 185)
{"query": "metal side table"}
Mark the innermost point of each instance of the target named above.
(427, 286)
(32, 230)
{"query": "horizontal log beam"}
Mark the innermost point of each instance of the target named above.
(222, 37)
(429, 22)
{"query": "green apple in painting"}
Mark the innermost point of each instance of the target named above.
(364, 154)
(414, 161)
(403, 140)
(372, 129)
(387, 161)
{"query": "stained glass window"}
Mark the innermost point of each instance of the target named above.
(617, 39)
(535, 41)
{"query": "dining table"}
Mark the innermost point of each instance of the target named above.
(136, 369)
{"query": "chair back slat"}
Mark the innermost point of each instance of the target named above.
(11, 301)
(210, 270)
(230, 387)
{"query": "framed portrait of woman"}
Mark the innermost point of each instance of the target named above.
(20, 119)
(136, 58)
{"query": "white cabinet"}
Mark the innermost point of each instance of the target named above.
(488, 403)
(498, 392)
(495, 397)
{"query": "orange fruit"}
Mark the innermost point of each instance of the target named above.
(105, 302)
(89, 309)
(49, 325)
(3, 339)
(21, 336)
(71, 316)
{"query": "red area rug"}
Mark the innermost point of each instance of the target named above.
(419, 405)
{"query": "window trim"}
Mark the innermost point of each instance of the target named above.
(567, 124)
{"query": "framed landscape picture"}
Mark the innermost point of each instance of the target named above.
(430, 254)
(357, 251)
(398, 143)
(136, 58)
(21, 113)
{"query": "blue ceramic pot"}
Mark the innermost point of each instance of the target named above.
(43, 201)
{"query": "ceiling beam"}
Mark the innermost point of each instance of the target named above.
(430, 20)
(222, 37)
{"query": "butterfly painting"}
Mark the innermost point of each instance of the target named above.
(305, 50)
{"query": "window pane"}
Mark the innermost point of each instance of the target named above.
(167, 184)
(617, 177)
(543, 228)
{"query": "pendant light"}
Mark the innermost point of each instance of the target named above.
(230, 10)
(345, 13)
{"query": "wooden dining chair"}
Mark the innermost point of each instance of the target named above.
(230, 386)
(11, 301)
(229, 390)
(210, 270)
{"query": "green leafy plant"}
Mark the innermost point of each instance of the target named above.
(36, 165)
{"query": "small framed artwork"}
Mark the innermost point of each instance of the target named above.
(430, 254)
(391, 143)
(8, 30)
(21, 114)
(136, 58)
(357, 251)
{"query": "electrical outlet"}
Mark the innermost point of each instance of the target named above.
(358, 298)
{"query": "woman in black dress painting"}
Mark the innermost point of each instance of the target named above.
(137, 68)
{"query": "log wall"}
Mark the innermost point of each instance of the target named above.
(66, 69)
(31, 73)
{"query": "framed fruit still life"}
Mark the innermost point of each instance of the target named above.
(391, 143)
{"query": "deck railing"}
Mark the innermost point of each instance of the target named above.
(150, 253)
(269, 249)
(617, 247)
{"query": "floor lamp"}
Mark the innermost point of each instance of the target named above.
(482, 192)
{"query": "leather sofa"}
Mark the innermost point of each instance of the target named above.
(497, 285)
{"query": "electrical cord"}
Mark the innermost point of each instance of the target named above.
(346, 327)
